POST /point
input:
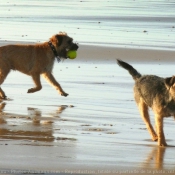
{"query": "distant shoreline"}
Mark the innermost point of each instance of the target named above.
(108, 45)
(100, 53)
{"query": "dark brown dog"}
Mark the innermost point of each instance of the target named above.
(35, 60)
(157, 93)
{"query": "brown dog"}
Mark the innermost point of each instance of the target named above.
(35, 60)
(157, 93)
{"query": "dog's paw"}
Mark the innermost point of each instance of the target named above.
(162, 144)
(30, 90)
(155, 138)
(64, 94)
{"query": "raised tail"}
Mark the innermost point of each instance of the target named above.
(131, 70)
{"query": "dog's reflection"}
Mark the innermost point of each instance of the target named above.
(2, 106)
(21, 128)
(155, 159)
(36, 114)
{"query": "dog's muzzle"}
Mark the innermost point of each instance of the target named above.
(74, 47)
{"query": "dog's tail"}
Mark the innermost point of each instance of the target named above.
(131, 70)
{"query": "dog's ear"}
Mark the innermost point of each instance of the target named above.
(59, 39)
(170, 81)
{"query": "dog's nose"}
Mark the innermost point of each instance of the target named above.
(74, 47)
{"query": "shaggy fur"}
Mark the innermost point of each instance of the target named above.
(35, 60)
(154, 92)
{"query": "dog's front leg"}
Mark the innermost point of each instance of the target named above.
(50, 78)
(160, 132)
(36, 79)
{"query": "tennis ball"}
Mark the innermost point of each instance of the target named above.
(71, 54)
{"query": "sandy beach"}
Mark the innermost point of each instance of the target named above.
(97, 129)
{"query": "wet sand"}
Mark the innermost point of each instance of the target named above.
(97, 129)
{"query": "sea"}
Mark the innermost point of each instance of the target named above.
(119, 23)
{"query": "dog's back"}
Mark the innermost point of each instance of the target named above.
(26, 58)
(152, 89)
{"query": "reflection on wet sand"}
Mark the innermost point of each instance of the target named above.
(36, 114)
(31, 130)
(155, 159)
(45, 136)
(2, 106)
(21, 128)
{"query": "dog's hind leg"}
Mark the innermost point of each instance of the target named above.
(159, 129)
(2, 94)
(36, 79)
(4, 70)
(143, 108)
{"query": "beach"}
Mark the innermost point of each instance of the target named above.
(97, 129)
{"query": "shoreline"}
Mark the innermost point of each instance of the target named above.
(132, 54)
(101, 53)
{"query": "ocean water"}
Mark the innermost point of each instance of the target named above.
(129, 23)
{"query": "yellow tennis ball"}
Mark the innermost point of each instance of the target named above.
(71, 54)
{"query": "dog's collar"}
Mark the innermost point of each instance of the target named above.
(54, 51)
